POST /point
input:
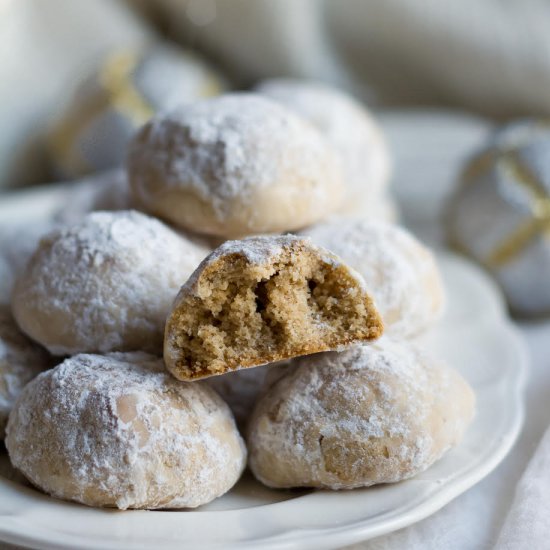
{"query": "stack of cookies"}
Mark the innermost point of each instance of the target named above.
(255, 306)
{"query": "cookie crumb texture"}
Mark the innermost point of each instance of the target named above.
(406, 283)
(265, 299)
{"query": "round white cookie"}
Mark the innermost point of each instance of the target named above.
(500, 213)
(130, 86)
(349, 127)
(375, 413)
(104, 284)
(20, 361)
(400, 272)
(233, 166)
(119, 431)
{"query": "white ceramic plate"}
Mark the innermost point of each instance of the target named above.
(475, 337)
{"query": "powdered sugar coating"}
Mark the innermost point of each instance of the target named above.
(399, 271)
(262, 250)
(119, 431)
(20, 361)
(375, 413)
(248, 165)
(104, 284)
(348, 126)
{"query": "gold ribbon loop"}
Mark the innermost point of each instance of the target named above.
(539, 205)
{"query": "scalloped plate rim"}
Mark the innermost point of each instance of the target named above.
(348, 533)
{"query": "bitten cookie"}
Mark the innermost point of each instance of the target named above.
(375, 413)
(104, 284)
(20, 361)
(265, 299)
(233, 166)
(352, 131)
(119, 431)
(400, 272)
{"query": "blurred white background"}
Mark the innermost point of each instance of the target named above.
(487, 56)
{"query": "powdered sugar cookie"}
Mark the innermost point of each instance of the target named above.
(264, 299)
(104, 284)
(119, 431)
(349, 127)
(376, 413)
(400, 272)
(234, 166)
